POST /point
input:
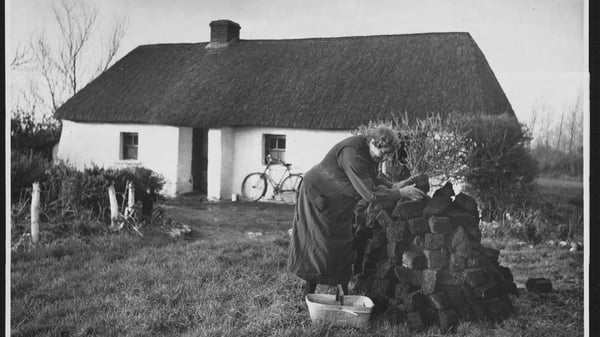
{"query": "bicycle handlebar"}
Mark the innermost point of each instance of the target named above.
(271, 160)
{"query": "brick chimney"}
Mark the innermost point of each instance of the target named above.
(222, 33)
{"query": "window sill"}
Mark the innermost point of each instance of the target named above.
(128, 162)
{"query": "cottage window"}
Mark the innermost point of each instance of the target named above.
(274, 146)
(129, 141)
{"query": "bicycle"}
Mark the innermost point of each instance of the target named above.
(254, 186)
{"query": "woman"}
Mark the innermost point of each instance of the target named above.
(321, 243)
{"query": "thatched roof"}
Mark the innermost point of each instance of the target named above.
(325, 83)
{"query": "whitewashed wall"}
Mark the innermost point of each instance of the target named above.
(164, 149)
(232, 152)
(242, 153)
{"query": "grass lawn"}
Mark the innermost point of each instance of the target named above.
(224, 282)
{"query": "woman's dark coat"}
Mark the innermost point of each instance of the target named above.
(321, 243)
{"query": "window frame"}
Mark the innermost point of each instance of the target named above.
(125, 154)
(279, 149)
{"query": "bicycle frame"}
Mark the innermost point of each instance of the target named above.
(274, 183)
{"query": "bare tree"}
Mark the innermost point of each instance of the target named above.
(21, 57)
(68, 61)
(560, 129)
(575, 125)
(75, 20)
(111, 46)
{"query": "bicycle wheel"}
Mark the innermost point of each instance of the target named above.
(254, 186)
(289, 188)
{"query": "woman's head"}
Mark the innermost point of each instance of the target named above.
(382, 141)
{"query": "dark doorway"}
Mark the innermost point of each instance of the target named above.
(200, 159)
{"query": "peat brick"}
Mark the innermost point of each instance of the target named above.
(491, 253)
(369, 267)
(381, 290)
(414, 320)
(451, 278)
(440, 224)
(418, 225)
(394, 313)
(474, 234)
(362, 284)
(465, 313)
(394, 252)
(506, 273)
(415, 301)
(378, 241)
(467, 203)
(409, 209)
(475, 277)
(420, 181)
(430, 316)
(477, 260)
(488, 290)
(497, 309)
(402, 290)
(371, 221)
(445, 191)
(403, 274)
(414, 260)
(448, 320)
(512, 288)
(538, 285)
(460, 244)
(383, 219)
(419, 240)
(434, 241)
(455, 295)
(457, 263)
(385, 270)
(478, 309)
(436, 259)
(506, 303)
(396, 231)
(430, 281)
(437, 205)
(462, 219)
(417, 278)
(439, 300)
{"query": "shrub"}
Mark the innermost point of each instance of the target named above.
(29, 135)
(556, 163)
(501, 170)
(25, 169)
(68, 191)
(488, 154)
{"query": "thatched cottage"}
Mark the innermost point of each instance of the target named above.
(206, 114)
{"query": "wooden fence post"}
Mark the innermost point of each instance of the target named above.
(130, 199)
(114, 206)
(35, 212)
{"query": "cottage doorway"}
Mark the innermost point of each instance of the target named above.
(200, 159)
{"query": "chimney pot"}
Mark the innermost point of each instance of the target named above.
(223, 32)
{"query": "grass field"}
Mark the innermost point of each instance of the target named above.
(229, 279)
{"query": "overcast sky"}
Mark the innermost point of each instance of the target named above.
(536, 48)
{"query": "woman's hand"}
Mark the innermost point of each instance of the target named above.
(412, 193)
(401, 184)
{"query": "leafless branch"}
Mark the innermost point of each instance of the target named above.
(22, 56)
(75, 20)
(113, 44)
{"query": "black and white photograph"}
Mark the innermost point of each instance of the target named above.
(297, 168)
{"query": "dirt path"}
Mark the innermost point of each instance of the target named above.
(230, 216)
